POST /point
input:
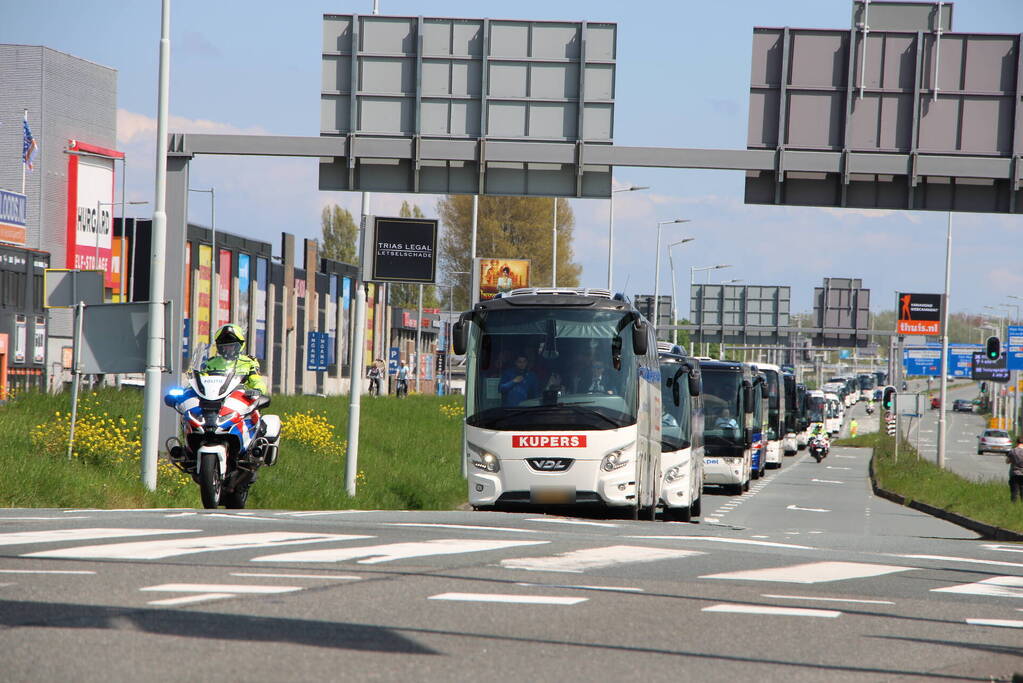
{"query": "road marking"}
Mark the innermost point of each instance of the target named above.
(720, 539)
(573, 521)
(832, 467)
(846, 456)
(158, 550)
(827, 481)
(775, 611)
(578, 561)
(315, 513)
(813, 572)
(1003, 548)
(460, 526)
(587, 588)
(183, 514)
(232, 588)
(58, 535)
(1006, 623)
(969, 560)
(998, 586)
(238, 515)
(796, 507)
(514, 599)
(42, 519)
(815, 598)
(43, 571)
(390, 552)
(190, 599)
(335, 577)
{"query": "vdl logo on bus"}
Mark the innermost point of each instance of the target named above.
(550, 464)
(548, 441)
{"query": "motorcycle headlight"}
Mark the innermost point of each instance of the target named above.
(615, 460)
(482, 460)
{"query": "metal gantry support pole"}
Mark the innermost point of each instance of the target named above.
(943, 407)
(554, 247)
(76, 377)
(419, 339)
(357, 363)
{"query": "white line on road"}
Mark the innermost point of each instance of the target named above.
(390, 552)
(998, 586)
(945, 558)
(43, 571)
(1003, 548)
(720, 539)
(58, 535)
(238, 588)
(42, 519)
(335, 577)
(191, 599)
(514, 599)
(775, 611)
(1005, 623)
(470, 527)
(827, 481)
(832, 467)
(158, 550)
(810, 597)
(796, 507)
(315, 513)
(578, 561)
(572, 521)
(813, 572)
(586, 588)
(846, 456)
(242, 515)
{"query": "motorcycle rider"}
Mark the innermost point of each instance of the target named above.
(820, 434)
(230, 343)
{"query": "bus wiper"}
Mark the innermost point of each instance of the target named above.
(512, 412)
(577, 407)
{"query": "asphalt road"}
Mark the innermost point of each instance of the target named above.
(807, 577)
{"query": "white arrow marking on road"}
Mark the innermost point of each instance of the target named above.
(57, 535)
(814, 572)
(390, 552)
(827, 481)
(774, 611)
(796, 507)
(460, 526)
(578, 561)
(158, 550)
(1006, 623)
(515, 599)
(191, 599)
(719, 539)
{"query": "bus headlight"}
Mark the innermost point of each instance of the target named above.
(615, 460)
(484, 461)
(673, 475)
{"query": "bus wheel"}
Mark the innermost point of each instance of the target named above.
(695, 507)
(683, 514)
(745, 487)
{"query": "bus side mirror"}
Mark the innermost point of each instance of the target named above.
(695, 381)
(459, 337)
(747, 395)
(639, 337)
(764, 390)
(747, 436)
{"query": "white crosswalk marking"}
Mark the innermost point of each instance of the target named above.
(578, 561)
(998, 587)
(158, 550)
(390, 552)
(59, 535)
(814, 572)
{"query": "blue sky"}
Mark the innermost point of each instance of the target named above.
(682, 81)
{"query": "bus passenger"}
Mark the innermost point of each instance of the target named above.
(518, 383)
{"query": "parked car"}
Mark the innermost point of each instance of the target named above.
(962, 405)
(935, 403)
(993, 441)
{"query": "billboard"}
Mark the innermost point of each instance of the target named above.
(919, 314)
(990, 370)
(224, 282)
(402, 250)
(13, 216)
(205, 295)
(493, 276)
(90, 204)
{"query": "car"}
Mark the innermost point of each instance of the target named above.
(935, 403)
(993, 441)
(962, 405)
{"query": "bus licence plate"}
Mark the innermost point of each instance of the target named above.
(551, 495)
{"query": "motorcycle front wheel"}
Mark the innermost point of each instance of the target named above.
(210, 482)
(236, 499)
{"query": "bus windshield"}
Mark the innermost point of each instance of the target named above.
(722, 407)
(676, 405)
(867, 381)
(551, 369)
(815, 408)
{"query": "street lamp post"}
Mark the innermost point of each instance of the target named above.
(657, 271)
(611, 228)
(674, 296)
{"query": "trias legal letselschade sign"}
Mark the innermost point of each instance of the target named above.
(13, 216)
(402, 250)
(919, 314)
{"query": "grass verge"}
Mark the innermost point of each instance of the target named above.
(408, 455)
(920, 480)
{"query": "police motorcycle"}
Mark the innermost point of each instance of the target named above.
(225, 439)
(818, 445)
(870, 408)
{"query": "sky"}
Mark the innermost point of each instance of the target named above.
(682, 80)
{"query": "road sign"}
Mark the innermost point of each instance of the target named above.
(922, 360)
(317, 351)
(1014, 348)
(64, 288)
(994, 371)
(393, 358)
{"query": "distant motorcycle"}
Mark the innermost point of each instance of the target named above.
(818, 447)
(226, 440)
(870, 409)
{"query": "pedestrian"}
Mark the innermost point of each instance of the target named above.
(853, 426)
(1015, 460)
(402, 388)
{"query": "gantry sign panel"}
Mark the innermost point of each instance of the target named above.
(921, 96)
(413, 80)
(842, 306)
(740, 314)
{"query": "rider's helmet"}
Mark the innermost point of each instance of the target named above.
(230, 341)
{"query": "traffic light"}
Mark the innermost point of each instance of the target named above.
(888, 398)
(993, 348)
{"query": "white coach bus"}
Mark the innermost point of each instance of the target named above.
(681, 434)
(563, 401)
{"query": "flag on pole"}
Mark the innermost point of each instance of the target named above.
(28, 145)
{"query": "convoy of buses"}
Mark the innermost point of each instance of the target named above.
(571, 400)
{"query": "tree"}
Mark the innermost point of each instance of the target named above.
(339, 234)
(508, 227)
(407, 295)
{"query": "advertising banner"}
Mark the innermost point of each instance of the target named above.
(90, 208)
(402, 250)
(13, 216)
(493, 276)
(244, 279)
(202, 316)
(990, 370)
(39, 341)
(224, 281)
(260, 303)
(332, 304)
(346, 325)
(919, 314)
